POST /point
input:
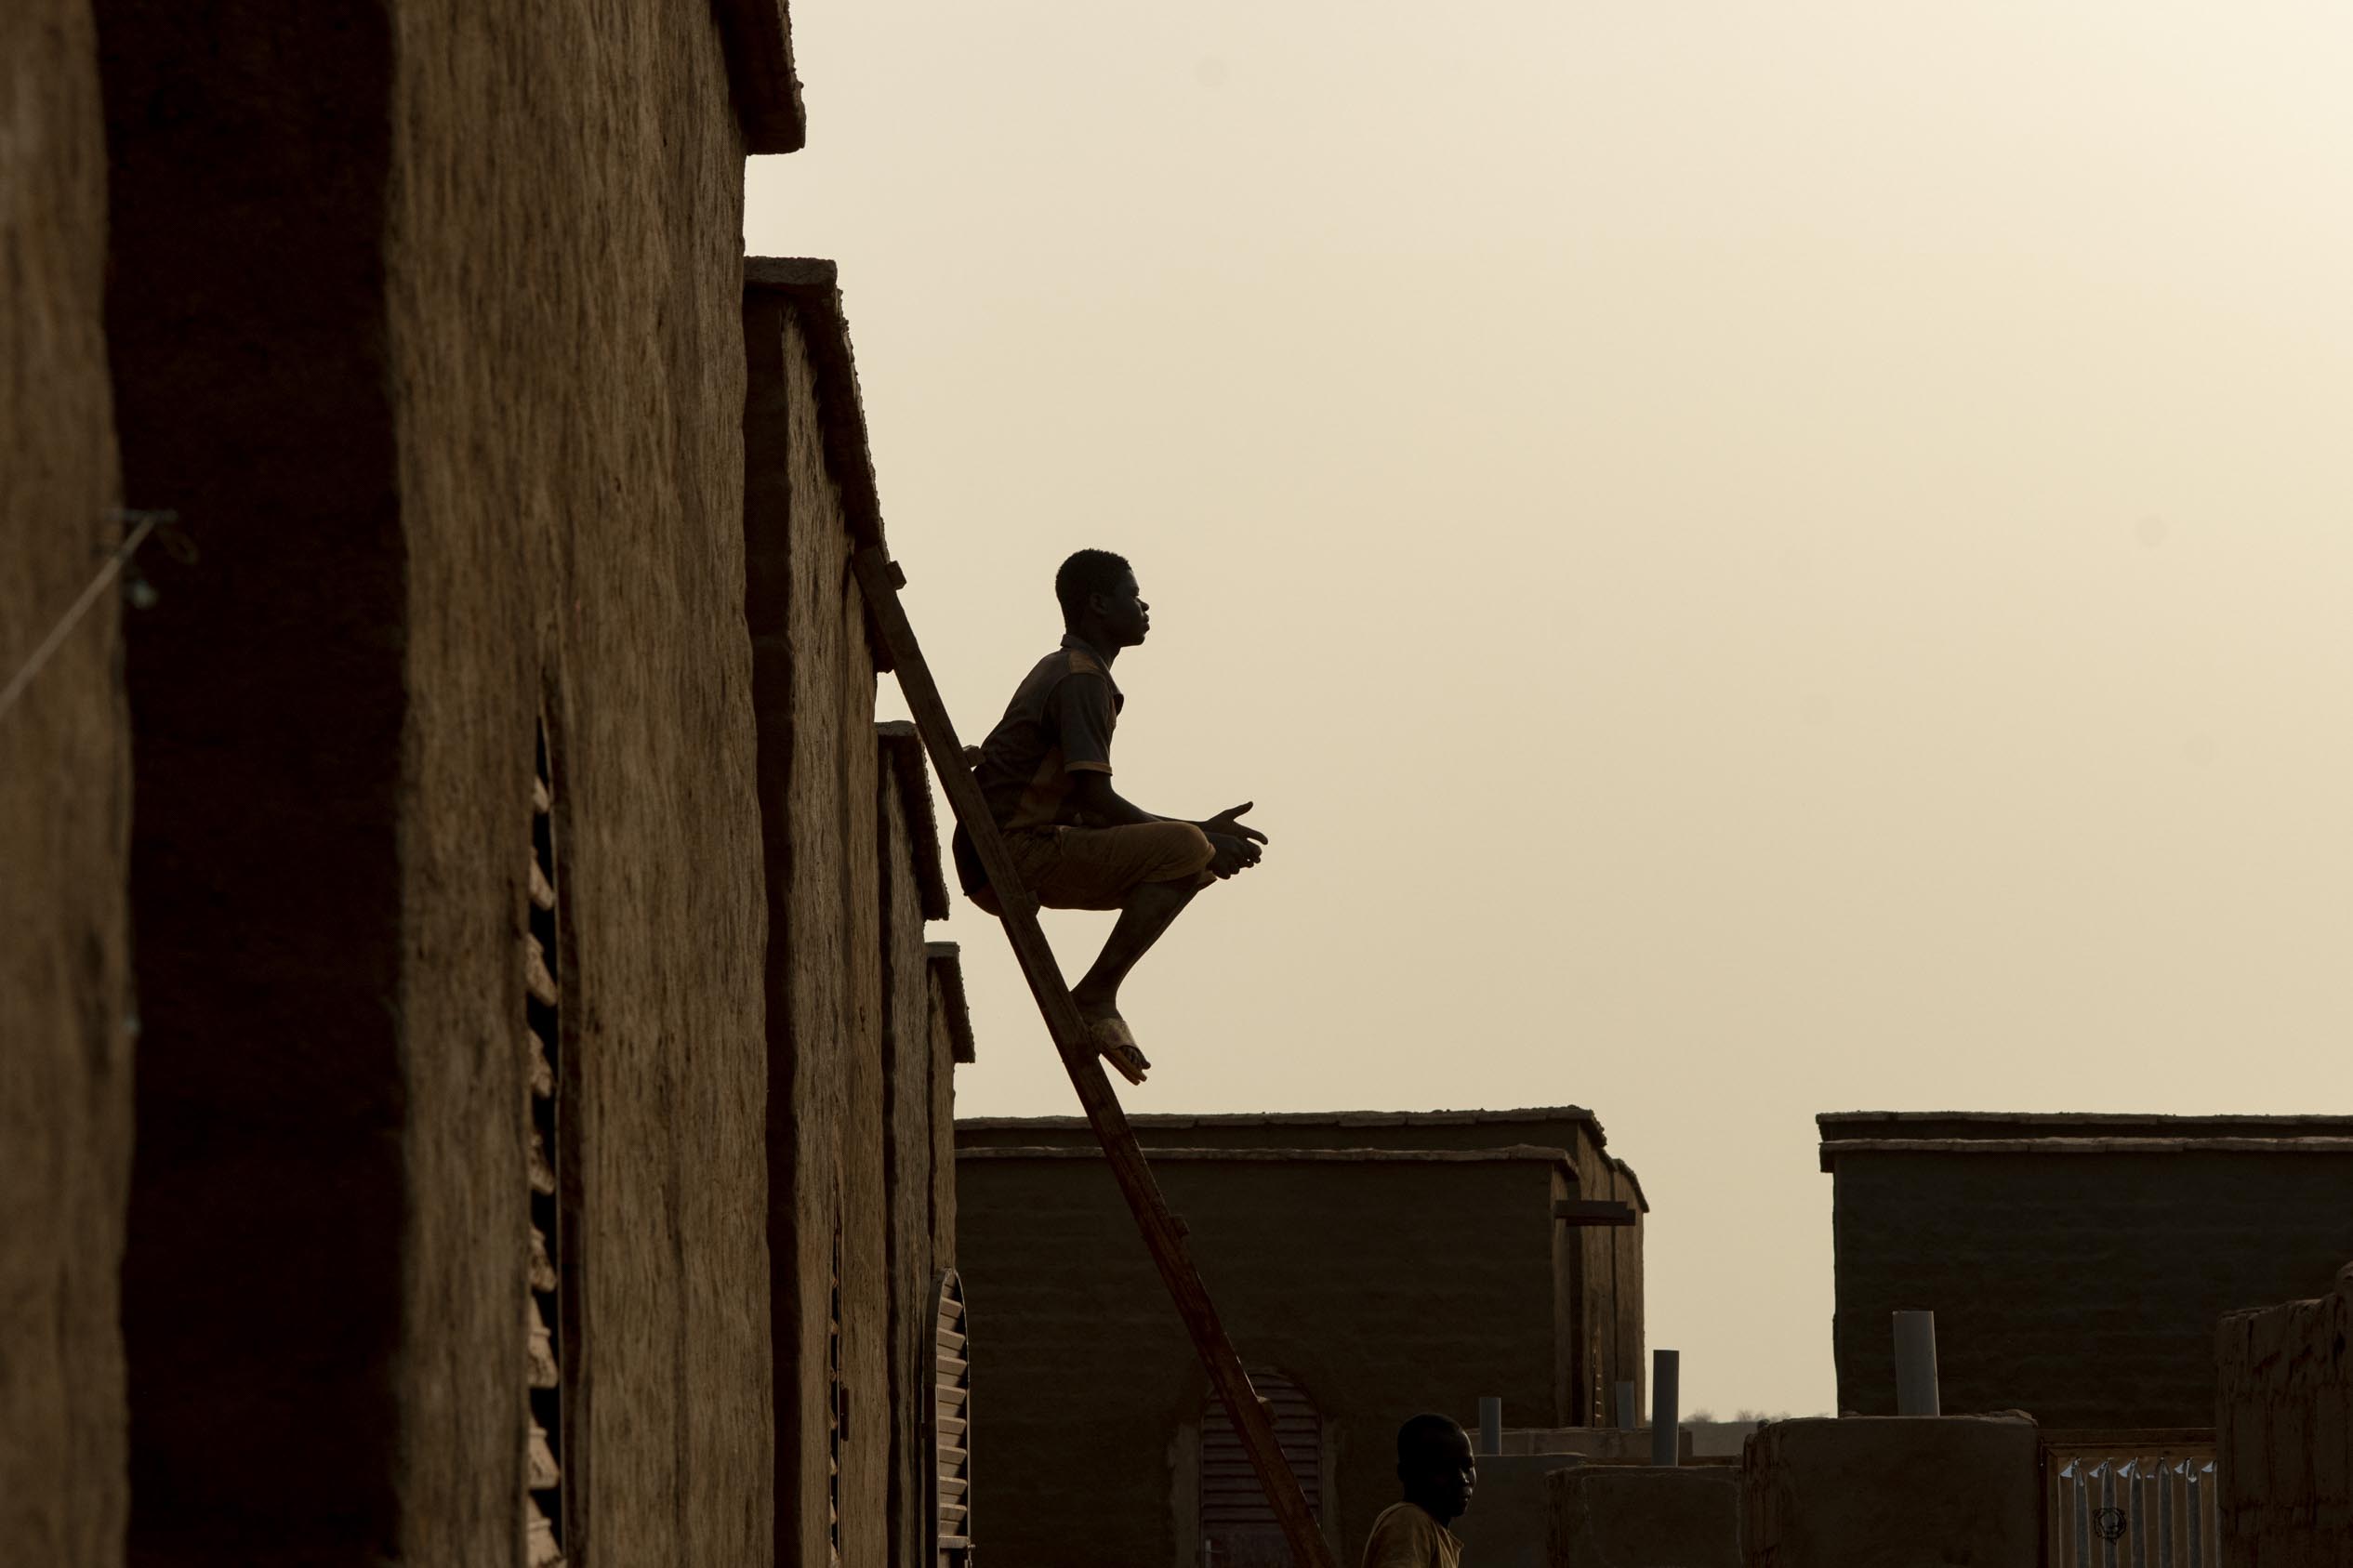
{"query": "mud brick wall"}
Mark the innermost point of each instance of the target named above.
(914, 892)
(2080, 1287)
(1634, 1516)
(1600, 1299)
(1382, 1286)
(951, 1044)
(424, 317)
(2283, 1417)
(839, 848)
(1958, 1491)
(65, 1003)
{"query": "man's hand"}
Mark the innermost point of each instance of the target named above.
(1230, 823)
(1235, 840)
(1230, 855)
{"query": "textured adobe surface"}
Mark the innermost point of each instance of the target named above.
(1381, 1285)
(2283, 1417)
(1602, 1317)
(1898, 1492)
(424, 317)
(806, 674)
(1639, 1517)
(1510, 1513)
(852, 873)
(564, 270)
(2083, 1287)
(907, 1159)
(912, 892)
(65, 1081)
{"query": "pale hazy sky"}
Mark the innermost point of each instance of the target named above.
(1756, 559)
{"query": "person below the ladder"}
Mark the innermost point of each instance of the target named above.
(1438, 1475)
(1044, 772)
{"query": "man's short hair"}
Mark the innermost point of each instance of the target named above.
(1088, 572)
(1419, 1434)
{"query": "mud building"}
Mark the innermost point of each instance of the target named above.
(476, 1086)
(1370, 1264)
(2078, 1264)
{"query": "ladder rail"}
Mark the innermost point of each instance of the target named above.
(879, 579)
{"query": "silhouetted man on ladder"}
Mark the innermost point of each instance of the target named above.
(1044, 772)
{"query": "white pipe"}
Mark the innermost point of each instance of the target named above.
(1916, 1392)
(1666, 1379)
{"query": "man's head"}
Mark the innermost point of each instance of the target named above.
(1100, 601)
(1434, 1460)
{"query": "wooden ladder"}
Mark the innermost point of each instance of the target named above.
(881, 579)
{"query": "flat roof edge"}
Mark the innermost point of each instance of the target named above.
(1829, 1119)
(1834, 1148)
(1299, 1118)
(1528, 1153)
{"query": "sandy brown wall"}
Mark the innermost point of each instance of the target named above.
(819, 785)
(65, 1039)
(261, 1279)
(1629, 1352)
(866, 1284)
(942, 1117)
(2283, 1413)
(565, 275)
(908, 1154)
(1382, 1289)
(427, 314)
(1599, 1316)
(2083, 1288)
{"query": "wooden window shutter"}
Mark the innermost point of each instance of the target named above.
(544, 1328)
(837, 1401)
(1238, 1530)
(951, 1425)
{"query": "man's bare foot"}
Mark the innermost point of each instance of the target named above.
(1117, 1043)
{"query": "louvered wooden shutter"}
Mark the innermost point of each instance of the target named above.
(543, 1326)
(1237, 1525)
(837, 1394)
(951, 1426)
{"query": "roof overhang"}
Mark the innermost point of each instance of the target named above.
(948, 967)
(757, 37)
(903, 754)
(2065, 1133)
(809, 290)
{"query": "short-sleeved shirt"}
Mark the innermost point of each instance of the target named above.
(1406, 1536)
(1059, 723)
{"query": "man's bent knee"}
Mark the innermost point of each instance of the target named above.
(1188, 854)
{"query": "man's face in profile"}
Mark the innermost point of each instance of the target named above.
(1442, 1474)
(1124, 613)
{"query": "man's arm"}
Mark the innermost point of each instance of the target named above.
(1079, 709)
(1235, 842)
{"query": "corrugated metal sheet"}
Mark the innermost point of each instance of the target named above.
(2125, 1504)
